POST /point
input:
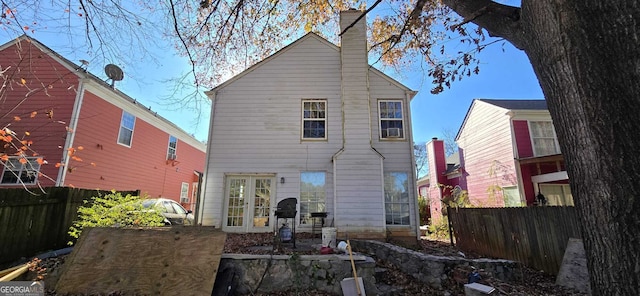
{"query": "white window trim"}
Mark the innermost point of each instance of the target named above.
(303, 119)
(175, 149)
(121, 126)
(300, 215)
(184, 194)
(30, 161)
(533, 146)
(408, 203)
(380, 119)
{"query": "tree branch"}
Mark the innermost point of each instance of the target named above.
(498, 19)
(361, 16)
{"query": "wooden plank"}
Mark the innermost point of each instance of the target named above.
(158, 261)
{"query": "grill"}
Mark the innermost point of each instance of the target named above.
(286, 209)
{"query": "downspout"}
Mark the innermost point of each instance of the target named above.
(71, 133)
(199, 215)
(384, 212)
(408, 97)
(334, 157)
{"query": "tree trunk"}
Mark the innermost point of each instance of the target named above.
(586, 55)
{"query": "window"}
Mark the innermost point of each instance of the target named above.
(557, 194)
(312, 195)
(126, 128)
(20, 170)
(173, 144)
(391, 119)
(396, 198)
(314, 119)
(511, 196)
(543, 138)
(184, 192)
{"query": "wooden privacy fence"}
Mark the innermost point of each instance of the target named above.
(534, 236)
(34, 223)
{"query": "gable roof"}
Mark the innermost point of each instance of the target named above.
(84, 74)
(533, 104)
(518, 104)
(296, 43)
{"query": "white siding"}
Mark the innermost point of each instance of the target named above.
(486, 143)
(256, 129)
(257, 124)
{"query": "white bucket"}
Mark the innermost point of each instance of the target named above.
(329, 237)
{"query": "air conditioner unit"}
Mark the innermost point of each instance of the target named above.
(393, 132)
(171, 156)
(184, 200)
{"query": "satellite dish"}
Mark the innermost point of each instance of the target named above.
(114, 73)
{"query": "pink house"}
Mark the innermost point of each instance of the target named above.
(508, 156)
(63, 126)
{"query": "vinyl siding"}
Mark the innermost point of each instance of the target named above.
(485, 140)
(256, 124)
(50, 87)
(143, 166)
(256, 129)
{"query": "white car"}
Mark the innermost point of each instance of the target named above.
(172, 211)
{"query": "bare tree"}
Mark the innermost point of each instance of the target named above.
(449, 138)
(422, 160)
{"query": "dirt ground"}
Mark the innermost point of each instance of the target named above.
(392, 280)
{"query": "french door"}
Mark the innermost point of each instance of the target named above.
(248, 203)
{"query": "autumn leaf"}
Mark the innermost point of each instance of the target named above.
(22, 160)
(17, 118)
(71, 185)
(4, 157)
(34, 113)
(80, 148)
(76, 158)
(93, 164)
(27, 133)
(39, 160)
(58, 164)
(23, 81)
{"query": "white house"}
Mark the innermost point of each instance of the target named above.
(313, 121)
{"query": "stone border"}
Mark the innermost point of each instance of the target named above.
(296, 272)
(431, 269)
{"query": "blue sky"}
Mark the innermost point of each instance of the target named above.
(505, 73)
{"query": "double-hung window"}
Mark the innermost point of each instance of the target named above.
(543, 138)
(314, 119)
(312, 195)
(173, 145)
(391, 119)
(396, 198)
(20, 170)
(127, 124)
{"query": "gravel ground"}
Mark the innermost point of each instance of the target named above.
(393, 281)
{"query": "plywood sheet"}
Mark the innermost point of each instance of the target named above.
(150, 261)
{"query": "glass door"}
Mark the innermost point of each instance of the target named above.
(248, 203)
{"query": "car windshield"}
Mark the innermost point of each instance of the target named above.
(148, 203)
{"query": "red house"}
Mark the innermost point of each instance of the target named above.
(508, 156)
(63, 126)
